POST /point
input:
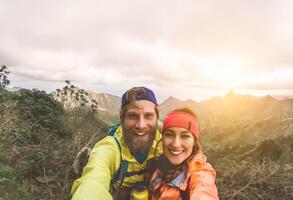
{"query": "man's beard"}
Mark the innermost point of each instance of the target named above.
(136, 145)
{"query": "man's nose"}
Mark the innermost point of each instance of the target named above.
(141, 123)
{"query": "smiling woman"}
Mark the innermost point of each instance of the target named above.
(182, 172)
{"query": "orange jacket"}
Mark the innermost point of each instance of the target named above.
(198, 182)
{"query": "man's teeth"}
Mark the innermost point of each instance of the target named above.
(176, 152)
(141, 134)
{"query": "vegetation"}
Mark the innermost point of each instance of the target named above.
(39, 140)
(4, 81)
(80, 96)
(38, 143)
(249, 180)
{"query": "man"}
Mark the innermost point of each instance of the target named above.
(116, 166)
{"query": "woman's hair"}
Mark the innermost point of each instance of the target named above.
(196, 146)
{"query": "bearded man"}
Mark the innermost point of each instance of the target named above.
(116, 166)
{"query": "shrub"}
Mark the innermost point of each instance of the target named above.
(251, 180)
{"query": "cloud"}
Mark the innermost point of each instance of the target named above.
(204, 44)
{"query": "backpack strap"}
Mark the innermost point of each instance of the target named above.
(155, 182)
(185, 194)
(122, 170)
(113, 129)
(176, 182)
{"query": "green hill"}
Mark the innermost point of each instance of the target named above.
(38, 143)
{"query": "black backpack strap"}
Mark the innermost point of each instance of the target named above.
(122, 170)
(184, 195)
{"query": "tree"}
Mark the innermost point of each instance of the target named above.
(4, 76)
(68, 82)
(69, 92)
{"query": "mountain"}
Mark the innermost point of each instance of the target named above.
(238, 120)
(283, 97)
(106, 105)
(13, 89)
(229, 121)
(173, 103)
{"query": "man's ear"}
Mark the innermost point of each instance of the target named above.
(121, 115)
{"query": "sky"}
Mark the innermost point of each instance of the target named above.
(187, 49)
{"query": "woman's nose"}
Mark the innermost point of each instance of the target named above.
(176, 142)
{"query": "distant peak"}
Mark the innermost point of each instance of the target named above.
(14, 89)
(171, 98)
(268, 97)
(230, 93)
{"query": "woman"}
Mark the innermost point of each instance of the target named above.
(182, 172)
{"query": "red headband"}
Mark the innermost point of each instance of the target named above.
(183, 120)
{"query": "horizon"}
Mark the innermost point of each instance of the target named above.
(161, 98)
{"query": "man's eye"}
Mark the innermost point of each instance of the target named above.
(149, 116)
(167, 134)
(132, 116)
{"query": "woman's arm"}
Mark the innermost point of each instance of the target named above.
(202, 183)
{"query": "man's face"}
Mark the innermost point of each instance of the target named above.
(139, 123)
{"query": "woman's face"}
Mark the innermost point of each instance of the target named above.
(177, 144)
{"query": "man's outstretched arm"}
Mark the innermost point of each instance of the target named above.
(95, 181)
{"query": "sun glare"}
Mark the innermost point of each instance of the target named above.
(225, 72)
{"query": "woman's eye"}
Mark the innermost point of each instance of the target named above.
(185, 136)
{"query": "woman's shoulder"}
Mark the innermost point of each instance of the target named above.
(199, 162)
(198, 158)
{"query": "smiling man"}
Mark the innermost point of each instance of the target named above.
(116, 166)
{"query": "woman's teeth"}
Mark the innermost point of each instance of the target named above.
(176, 152)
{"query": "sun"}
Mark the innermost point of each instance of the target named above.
(225, 72)
(228, 77)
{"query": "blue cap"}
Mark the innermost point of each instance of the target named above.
(147, 94)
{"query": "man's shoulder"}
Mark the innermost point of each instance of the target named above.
(111, 137)
(106, 142)
(112, 130)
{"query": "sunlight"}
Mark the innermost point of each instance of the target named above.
(224, 71)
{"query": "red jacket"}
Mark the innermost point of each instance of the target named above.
(198, 182)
